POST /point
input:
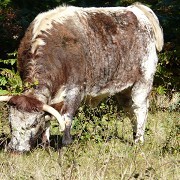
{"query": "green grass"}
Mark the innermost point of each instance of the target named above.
(103, 151)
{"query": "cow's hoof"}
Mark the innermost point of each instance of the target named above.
(139, 140)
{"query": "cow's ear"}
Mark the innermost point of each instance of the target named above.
(26, 103)
(58, 106)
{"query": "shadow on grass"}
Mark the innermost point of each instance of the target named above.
(121, 140)
(56, 142)
(4, 140)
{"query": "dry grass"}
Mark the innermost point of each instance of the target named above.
(115, 158)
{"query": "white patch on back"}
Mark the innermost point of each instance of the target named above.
(36, 43)
(43, 22)
(139, 14)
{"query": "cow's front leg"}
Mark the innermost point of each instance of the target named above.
(46, 135)
(67, 138)
(67, 108)
(71, 104)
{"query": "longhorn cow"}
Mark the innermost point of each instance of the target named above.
(84, 55)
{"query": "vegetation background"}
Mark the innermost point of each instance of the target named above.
(102, 147)
(16, 15)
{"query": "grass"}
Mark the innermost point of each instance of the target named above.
(102, 150)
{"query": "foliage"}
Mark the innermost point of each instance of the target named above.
(168, 71)
(95, 122)
(10, 81)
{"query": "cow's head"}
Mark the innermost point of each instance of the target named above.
(27, 120)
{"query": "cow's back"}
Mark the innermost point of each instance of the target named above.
(117, 45)
(96, 48)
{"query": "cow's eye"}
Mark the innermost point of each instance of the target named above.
(34, 124)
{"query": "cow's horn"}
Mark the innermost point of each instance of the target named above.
(56, 114)
(5, 98)
(46, 108)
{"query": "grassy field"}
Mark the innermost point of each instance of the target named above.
(102, 150)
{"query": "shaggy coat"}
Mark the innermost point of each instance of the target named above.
(70, 54)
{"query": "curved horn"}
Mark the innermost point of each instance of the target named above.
(5, 98)
(55, 113)
(46, 108)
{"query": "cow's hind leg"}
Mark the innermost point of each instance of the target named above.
(135, 103)
(139, 108)
(125, 101)
(140, 92)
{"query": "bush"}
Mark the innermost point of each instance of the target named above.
(10, 81)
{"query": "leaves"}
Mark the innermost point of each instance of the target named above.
(10, 80)
(161, 90)
(5, 3)
(3, 92)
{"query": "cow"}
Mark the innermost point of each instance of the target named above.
(72, 55)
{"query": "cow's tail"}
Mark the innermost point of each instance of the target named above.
(158, 32)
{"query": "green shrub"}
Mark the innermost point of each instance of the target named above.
(10, 81)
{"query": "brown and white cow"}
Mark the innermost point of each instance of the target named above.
(84, 54)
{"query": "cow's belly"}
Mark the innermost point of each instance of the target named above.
(97, 94)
